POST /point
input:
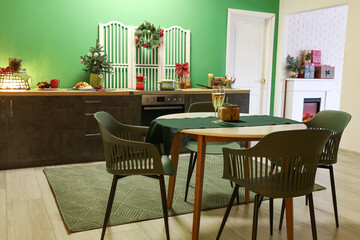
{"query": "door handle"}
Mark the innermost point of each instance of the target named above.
(94, 101)
(92, 134)
(261, 80)
(3, 108)
(11, 108)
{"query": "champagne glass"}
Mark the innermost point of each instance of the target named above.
(221, 100)
(215, 99)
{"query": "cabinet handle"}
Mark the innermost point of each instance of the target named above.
(3, 108)
(95, 101)
(11, 109)
(92, 134)
(89, 114)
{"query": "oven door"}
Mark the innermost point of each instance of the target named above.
(149, 113)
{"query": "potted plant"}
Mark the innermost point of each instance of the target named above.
(97, 64)
(293, 65)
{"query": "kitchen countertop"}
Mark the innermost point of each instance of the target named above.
(70, 92)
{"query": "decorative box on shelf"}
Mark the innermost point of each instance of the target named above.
(312, 56)
(309, 70)
(325, 71)
(316, 56)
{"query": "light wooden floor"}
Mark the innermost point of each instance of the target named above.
(28, 211)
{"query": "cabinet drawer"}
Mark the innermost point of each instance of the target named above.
(77, 144)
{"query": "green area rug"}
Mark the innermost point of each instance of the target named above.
(82, 193)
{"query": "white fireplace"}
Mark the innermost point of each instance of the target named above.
(299, 91)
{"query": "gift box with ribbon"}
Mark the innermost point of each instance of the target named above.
(325, 71)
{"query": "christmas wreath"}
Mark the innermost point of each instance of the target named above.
(148, 36)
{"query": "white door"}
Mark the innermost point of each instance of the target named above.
(249, 55)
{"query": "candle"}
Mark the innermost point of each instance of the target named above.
(210, 79)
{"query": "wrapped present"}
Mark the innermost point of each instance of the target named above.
(325, 71)
(308, 70)
(309, 75)
(331, 72)
(229, 112)
(316, 56)
(307, 56)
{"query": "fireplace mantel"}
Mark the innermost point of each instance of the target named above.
(297, 89)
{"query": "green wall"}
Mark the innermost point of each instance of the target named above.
(51, 35)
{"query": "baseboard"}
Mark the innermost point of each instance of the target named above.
(349, 152)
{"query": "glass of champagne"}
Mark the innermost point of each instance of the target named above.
(215, 99)
(221, 100)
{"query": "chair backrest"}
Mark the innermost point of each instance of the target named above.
(125, 149)
(201, 107)
(336, 121)
(283, 164)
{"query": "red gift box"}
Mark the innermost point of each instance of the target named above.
(316, 56)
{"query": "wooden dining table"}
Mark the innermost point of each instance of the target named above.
(220, 134)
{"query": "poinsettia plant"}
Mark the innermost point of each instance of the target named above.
(95, 61)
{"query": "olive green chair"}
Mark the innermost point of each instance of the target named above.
(282, 165)
(126, 154)
(211, 148)
(336, 121)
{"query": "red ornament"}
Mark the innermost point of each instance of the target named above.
(146, 45)
(137, 39)
(159, 45)
(161, 34)
(137, 46)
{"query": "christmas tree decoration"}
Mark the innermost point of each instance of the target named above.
(94, 61)
(148, 36)
(97, 64)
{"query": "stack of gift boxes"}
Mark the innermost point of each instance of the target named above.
(312, 67)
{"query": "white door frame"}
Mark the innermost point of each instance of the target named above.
(269, 49)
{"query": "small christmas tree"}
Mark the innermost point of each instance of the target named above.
(95, 61)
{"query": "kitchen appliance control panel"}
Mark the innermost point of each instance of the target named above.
(176, 99)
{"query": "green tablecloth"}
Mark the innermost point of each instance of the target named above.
(164, 130)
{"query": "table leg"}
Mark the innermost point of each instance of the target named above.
(289, 218)
(198, 186)
(247, 192)
(174, 158)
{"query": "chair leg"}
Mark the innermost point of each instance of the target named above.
(191, 167)
(163, 200)
(306, 200)
(255, 217)
(109, 205)
(312, 216)
(271, 210)
(236, 189)
(282, 214)
(332, 180)
(261, 200)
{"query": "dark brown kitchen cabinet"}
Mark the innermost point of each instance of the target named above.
(3, 131)
(46, 130)
(25, 131)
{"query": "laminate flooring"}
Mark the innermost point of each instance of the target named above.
(28, 211)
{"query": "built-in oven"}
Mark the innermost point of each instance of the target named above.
(154, 106)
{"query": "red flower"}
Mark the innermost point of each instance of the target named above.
(215, 83)
(146, 45)
(137, 46)
(159, 45)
